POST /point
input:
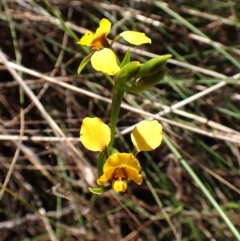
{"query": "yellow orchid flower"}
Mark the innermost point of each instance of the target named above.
(104, 59)
(120, 168)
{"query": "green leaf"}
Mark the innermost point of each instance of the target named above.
(84, 62)
(126, 58)
(96, 190)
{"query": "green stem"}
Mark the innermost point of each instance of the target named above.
(116, 104)
(117, 97)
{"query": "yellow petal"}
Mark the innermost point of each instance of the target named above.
(147, 135)
(104, 28)
(94, 134)
(105, 61)
(86, 39)
(135, 38)
(107, 175)
(119, 185)
(136, 177)
(119, 160)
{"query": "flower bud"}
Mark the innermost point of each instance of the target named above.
(146, 83)
(128, 71)
(152, 66)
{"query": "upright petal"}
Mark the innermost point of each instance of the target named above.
(105, 61)
(135, 38)
(99, 40)
(147, 135)
(86, 39)
(94, 134)
(104, 28)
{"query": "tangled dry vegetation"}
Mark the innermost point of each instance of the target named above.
(44, 170)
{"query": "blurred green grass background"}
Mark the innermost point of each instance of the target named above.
(191, 188)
